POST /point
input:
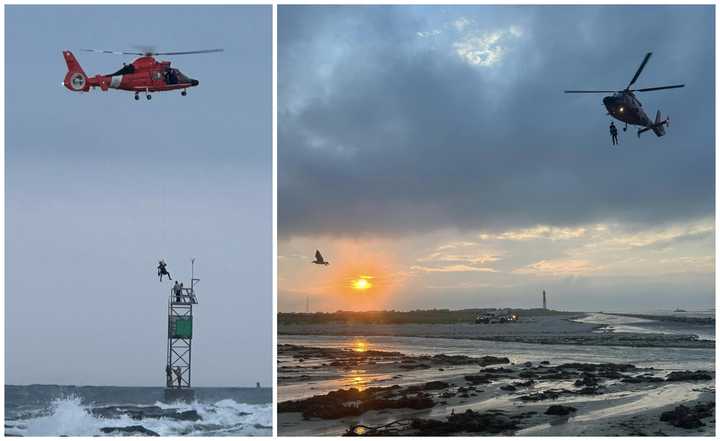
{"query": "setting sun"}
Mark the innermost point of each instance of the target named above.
(361, 284)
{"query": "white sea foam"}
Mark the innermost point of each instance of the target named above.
(69, 416)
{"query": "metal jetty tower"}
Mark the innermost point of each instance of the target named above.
(544, 301)
(178, 371)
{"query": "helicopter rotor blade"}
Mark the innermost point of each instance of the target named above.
(100, 51)
(640, 69)
(649, 89)
(148, 52)
(589, 91)
(147, 49)
(203, 51)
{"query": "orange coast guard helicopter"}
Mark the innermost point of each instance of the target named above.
(145, 74)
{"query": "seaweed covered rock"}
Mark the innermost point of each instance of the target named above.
(467, 422)
(681, 417)
(144, 412)
(490, 360)
(688, 376)
(436, 385)
(353, 402)
(590, 367)
(129, 431)
(642, 379)
(559, 409)
(480, 379)
(586, 380)
(689, 417)
(454, 360)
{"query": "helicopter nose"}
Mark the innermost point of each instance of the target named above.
(194, 82)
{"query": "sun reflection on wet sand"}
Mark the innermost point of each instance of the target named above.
(358, 383)
(359, 430)
(360, 346)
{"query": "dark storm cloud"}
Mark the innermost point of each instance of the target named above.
(383, 132)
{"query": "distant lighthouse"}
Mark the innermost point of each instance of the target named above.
(544, 301)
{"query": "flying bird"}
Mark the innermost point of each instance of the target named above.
(319, 259)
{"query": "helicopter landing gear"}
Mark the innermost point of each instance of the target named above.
(148, 96)
(183, 93)
(137, 97)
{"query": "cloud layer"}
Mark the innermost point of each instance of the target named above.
(396, 121)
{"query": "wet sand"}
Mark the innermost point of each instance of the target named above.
(483, 394)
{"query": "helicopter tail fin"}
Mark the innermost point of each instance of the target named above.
(72, 63)
(658, 127)
(75, 79)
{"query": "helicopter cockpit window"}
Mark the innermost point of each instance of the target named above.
(181, 77)
(171, 76)
(126, 69)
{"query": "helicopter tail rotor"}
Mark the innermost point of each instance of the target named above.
(75, 78)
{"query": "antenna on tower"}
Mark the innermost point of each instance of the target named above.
(193, 280)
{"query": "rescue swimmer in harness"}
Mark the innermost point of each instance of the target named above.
(162, 270)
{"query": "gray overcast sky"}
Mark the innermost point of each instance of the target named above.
(418, 130)
(99, 187)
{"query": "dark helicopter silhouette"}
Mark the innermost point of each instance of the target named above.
(624, 106)
(319, 259)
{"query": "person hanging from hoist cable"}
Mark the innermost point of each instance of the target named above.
(162, 270)
(613, 133)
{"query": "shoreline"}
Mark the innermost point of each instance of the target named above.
(542, 329)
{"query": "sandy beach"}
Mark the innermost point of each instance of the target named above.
(545, 376)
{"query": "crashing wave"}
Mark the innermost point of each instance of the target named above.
(69, 416)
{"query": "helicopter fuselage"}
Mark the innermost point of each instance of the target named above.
(145, 74)
(148, 74)
(624, 107)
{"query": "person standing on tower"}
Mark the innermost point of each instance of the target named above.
(178, 375)
(177, 292)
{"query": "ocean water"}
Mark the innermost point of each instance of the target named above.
(51, 410)
(619, 323)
